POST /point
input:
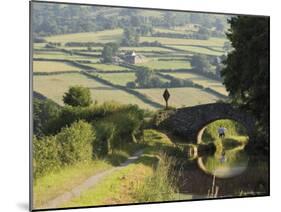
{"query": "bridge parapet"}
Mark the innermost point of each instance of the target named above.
(187, 122)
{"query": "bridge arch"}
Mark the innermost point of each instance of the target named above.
(190, 122)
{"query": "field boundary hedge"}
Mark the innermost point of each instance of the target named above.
(130, 91)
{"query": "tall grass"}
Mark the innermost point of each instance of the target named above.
(161, 186)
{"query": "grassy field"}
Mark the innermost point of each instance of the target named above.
(55, 86)
(165, 30)
(218, 42)
(157, 64)
(146, 49)
(108, 67)
(100, 36)
(200, 50)
(180, 97)
(63, 56)
(55, 184)
(118, 78)
(201, 80)
(49, 66)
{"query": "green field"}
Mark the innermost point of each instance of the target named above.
(62, 56)
(118, 78)
(197, 49)
(100, 36)
(180, 97)
(218, 42)
(201, 80)
(146, 49)
(50, 66)
(157, 64)
(176, 30)
(108, 67)
(55, 86)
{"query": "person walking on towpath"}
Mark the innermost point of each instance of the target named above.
(221, 131)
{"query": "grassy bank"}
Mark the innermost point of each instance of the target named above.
(147, 179)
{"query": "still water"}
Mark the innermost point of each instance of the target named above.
(226, 173)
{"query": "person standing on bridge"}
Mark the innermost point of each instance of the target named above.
(221, 131)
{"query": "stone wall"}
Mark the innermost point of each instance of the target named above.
(187, 122)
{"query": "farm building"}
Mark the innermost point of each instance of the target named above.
(133, 58)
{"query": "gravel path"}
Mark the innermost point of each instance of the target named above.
(90, 182)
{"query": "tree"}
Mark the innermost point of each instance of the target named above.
(200, 63)
(109, 51)
(246, 74)
(143, 76)
(78, 96)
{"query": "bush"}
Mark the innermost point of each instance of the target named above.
(105, 134)
(117, 130)
(75, 143)
(78, 96)
(45, 113)
(45, 155)
(95, 112)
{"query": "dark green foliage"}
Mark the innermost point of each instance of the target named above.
(45, 113)
(105, 135)
(200, 63)
(117, 130)
(45, 155)
(246, 74)
(109, 51)
(131, 85)
(75, 143)
(78, 96)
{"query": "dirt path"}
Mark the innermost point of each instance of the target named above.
(90, 182)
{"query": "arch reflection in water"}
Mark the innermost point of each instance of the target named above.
(232, 164)
(229, 159)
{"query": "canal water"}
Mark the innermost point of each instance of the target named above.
(226, 173)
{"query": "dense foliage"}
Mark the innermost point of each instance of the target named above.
(71, 145)
(62, 18)
(78, 96)
(109, 51)
(246, 75)
(45, 113)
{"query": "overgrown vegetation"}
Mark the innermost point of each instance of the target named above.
(246, 75)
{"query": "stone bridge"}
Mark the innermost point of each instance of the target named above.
(190, 122)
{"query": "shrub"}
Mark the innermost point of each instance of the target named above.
(75, 143)
(104, 138)
(78, 96)
(45, 113)
(45, 155)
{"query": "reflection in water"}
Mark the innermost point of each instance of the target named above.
(229, 163)
(229, 172)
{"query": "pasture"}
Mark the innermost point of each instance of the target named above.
(158, 64)
(218, 42)
(62, 56)
(146, 49)
(107, 67)
(180, 97)
(104, 36)
(54, 87)
(118, 78)
(50, 66)
(201, 80)
(199, 50)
